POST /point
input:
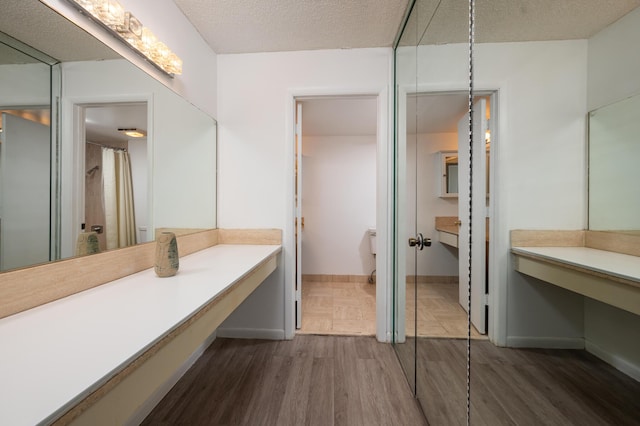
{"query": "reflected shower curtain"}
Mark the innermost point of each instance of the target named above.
(118, 198)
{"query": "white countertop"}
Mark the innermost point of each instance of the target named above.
(605, 262)
(54, 355)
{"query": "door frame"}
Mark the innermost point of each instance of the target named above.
(72, 200)
(498, 262)
(384, 205)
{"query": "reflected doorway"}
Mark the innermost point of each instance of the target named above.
(436, 282)
(116, 173)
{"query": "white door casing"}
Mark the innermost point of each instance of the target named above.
(477, 251)
(298, 219)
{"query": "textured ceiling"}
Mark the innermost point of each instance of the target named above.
(280, 25)
(242, 26)
(512, 20)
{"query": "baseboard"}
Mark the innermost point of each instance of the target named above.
(251, 333)
(628, 368)
(433, 279)
(324, 278)
(143, 411)
(546, 342)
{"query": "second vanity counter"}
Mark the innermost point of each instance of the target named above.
(604, 275)
(55, 355)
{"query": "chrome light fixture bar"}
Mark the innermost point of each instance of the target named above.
(127, 28)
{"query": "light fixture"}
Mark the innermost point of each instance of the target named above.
(133, 132)
(127, 28)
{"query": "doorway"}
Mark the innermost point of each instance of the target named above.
(336, 151)
(437, 182)
(116, 172)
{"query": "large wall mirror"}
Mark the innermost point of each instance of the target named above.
(66, 102)
(614, 150)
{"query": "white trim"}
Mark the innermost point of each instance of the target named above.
(251, 333)
(384, 204)
(154, 399)
(545, 342)
(401, 215)
(628, 368)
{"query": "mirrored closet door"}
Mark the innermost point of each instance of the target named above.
(516, 119)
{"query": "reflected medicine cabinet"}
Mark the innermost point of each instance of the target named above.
(449, 173)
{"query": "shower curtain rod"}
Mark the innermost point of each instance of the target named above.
(107, 146)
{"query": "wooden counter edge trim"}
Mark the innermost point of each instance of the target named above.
(26, 288)
(605, 288)
(547, 238)
(586, 271)
(123, 393)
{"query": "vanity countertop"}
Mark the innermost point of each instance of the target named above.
(622, 266)
(608, 277)
(56, 354)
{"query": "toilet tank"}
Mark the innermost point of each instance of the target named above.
(372, 240)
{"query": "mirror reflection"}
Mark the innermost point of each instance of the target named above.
(95, 92)
(535, 349)
(116, 174)
(25, 155)
(449, 174)
(614, 147)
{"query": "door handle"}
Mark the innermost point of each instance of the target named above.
(420, 242)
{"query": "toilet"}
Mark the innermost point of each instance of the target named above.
(372, 248)
(372, 240)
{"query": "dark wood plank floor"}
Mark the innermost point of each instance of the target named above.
(311, 380)
(522, 386)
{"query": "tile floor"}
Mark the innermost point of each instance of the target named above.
(342, 308)
(349, 308)
(439, 313)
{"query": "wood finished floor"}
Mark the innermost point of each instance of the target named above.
(310, 380)
(521, 386)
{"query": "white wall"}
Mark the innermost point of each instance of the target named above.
(181, 137)
(540, 178)
(614, 63)
(256, 147)
(614, 74)
(165, 19)
(338, 204)
(439, 259)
